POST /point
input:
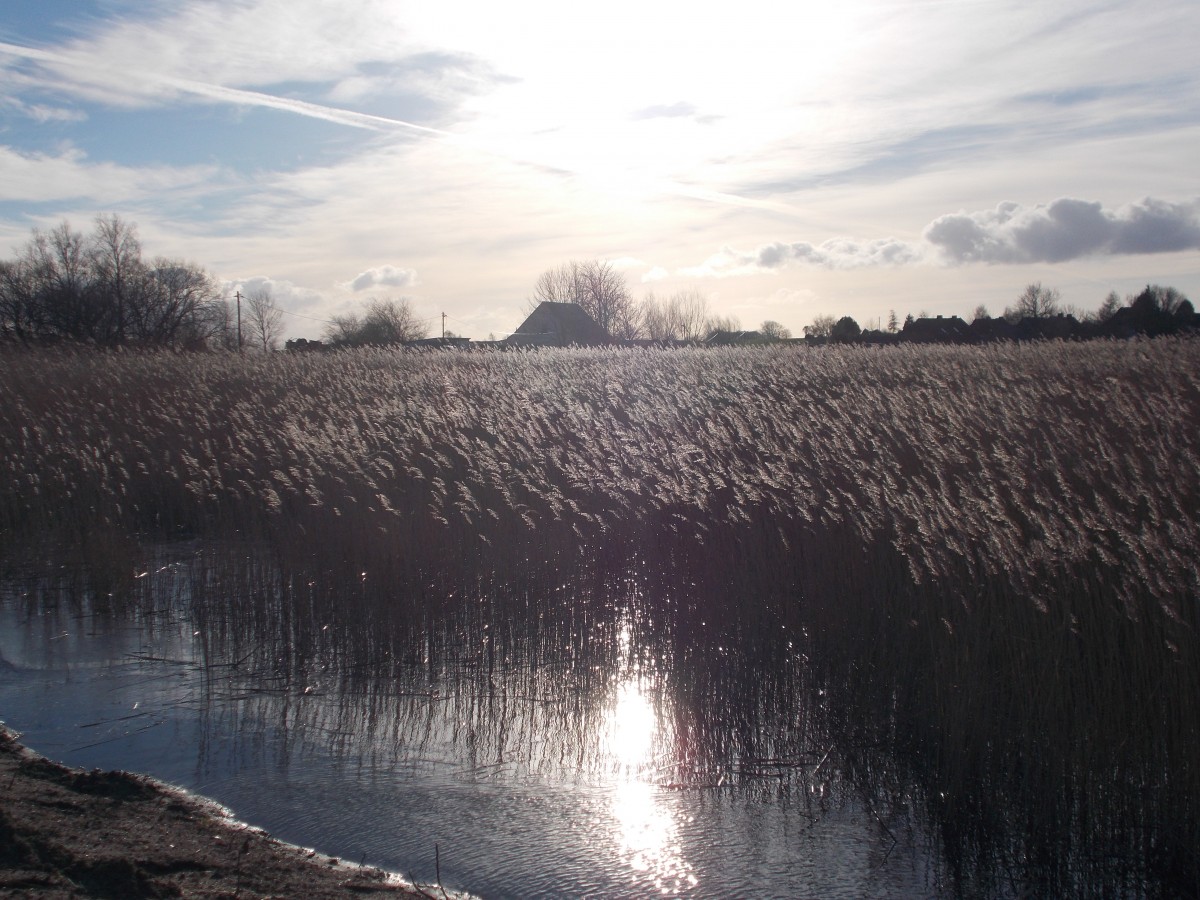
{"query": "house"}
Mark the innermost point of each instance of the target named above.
(439, 343)
(302, 345)
(987, 330)
(939, 330)
(1048, 328)
(558, 325)
(730, 338)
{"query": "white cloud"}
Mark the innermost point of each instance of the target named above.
(286, 295)
(623, 263)
(1063, 230)
(657, 273)
(385, 276)
(70, 175)
(837, 253)
(1066, 229)
(43, 114)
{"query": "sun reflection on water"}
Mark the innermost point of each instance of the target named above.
(646, 826)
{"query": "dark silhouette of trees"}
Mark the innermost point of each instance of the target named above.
(1110, 305)
(845, 331)
(1156, 310)
(385, 323)
(97, 289)
(821, 327)
(1035, 302)
(774, 330)
(1157, 298)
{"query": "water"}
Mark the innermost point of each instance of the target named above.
(584, 778)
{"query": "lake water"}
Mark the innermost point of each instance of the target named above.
(534, 777)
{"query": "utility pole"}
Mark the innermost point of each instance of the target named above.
(443, 326)
(239, 305)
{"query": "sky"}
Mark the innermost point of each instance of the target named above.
(785, 160)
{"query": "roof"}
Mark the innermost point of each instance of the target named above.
(942, 329)
(722, 338)
(559, 325)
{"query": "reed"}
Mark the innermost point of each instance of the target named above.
(984, 556)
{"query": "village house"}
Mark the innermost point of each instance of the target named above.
(558, 325)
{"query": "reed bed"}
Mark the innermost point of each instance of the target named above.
(986, 556)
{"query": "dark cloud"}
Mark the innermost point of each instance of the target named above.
(1065, 229)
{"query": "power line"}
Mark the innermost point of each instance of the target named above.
(302, 316)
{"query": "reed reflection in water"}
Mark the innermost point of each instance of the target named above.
(580, 762)
(599, 731)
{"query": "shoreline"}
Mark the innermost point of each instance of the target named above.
(67, 832)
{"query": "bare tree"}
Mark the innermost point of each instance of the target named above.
(16, 301)
(262, 319)
(821, 327)
(689, 314)
(721, 323)
(773, 329)
(57, 266)
(386, 322)
(596, 286)
(654, 320)
(97, 289)
(179, 303)
(118, 276)
(1109, 307)
(981, 314)
(1035, 302)
(561, 285)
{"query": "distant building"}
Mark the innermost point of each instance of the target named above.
(1048, 328)
(984, 331)
(936, 330)
(730, 338)
(303, 345)
(439, 343)
(558, 325)
(877, 336)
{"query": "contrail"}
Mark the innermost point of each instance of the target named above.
(240, 95)
(302, 107)
(83, 69)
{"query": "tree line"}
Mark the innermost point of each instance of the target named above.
(98, 289)
(1037, 313)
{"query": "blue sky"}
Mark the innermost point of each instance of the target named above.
(846, 159)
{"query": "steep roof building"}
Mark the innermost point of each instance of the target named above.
(558, 325)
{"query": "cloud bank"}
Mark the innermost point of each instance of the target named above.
(839, 253)
(383, 276)
(1065, 229)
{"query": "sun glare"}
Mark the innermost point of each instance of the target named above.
(630, 732)
(645, 825)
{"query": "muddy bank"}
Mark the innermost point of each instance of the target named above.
(71, 833)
